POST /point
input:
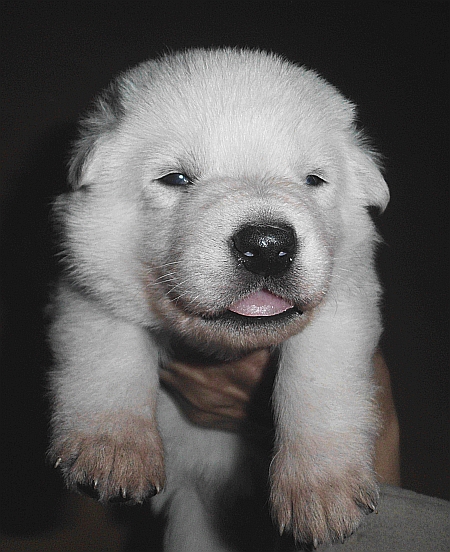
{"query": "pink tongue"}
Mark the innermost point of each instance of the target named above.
(261, 303)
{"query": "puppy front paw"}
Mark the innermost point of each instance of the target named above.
(318, 507)
(121, 461)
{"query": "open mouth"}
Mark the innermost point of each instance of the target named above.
(261, 319)
(262, 303)
(261, 307)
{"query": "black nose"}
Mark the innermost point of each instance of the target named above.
(265, 250)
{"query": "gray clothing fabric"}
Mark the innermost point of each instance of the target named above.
(404, 522)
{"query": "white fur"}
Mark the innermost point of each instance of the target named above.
(146, 263)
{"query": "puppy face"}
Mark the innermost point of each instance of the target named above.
(215, 193)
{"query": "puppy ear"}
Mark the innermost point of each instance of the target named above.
(82, 156)
(370, 185)
(90, 153)
(93, 159)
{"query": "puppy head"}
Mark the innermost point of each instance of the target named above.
(214, 194)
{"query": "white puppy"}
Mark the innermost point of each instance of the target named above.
(218, 206)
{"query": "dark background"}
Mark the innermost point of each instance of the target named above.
(390, 58)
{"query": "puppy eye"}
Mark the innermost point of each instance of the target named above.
(314, 181)
(175, 179)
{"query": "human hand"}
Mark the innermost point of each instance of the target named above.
(387, 445)
(217, 395)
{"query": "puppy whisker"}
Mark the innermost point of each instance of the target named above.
(165, 265)
(165, 278)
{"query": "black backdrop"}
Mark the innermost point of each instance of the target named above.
(390, 58)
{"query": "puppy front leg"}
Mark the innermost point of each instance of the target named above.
(104, 385)
(322, 480)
